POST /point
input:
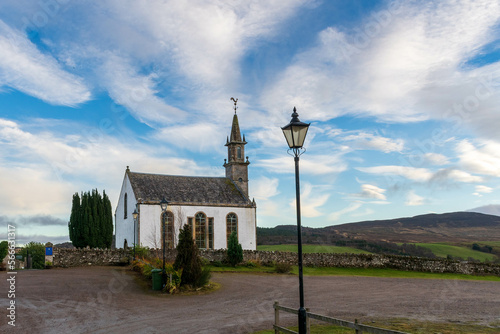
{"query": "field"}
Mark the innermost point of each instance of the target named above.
(464, 252)
(312, 249)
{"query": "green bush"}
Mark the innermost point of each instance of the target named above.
(36, 251)
(141, 252)
(4, 249)
(204, 278)
(234, 250)
(283, 267)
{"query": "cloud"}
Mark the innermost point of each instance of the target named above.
(492, 209)
(371, 192)
(411, 173)
(264, 187)
(404, 63)
(413, 199)
(335, 216)
(310, 201)
(481, 159)
(480, 189)
(27, 69)
(313, 164)
(435, 159)
(367, 141)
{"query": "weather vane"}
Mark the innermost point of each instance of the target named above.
(235, 101)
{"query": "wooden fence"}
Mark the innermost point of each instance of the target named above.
(359, 328)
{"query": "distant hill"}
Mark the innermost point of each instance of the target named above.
(447, 227)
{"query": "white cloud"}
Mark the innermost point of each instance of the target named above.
(413, 199)
(310, 201)
(195, 137)
(264, 187)
(484, 189)
(335, 216)
(411, 173)
(367, 141)
(25, 68)
(310, 164)
(435, 159)
(406, 67)
(371, 191)
(483, 159)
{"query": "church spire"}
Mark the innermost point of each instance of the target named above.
(236, 166)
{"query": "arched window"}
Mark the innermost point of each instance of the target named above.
(231, 225)
(203, 230)
(238, 150)
(168, 223)
(125, 206)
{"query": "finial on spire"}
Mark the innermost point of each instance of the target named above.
(235, 101)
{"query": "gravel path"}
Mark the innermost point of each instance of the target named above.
(109, 300)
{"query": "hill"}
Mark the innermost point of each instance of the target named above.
(452, 227)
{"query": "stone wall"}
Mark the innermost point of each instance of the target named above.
(66, 257)
(102, 257)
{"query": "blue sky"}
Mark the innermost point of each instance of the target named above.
(403, 97)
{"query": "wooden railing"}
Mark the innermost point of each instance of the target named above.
(359, 328)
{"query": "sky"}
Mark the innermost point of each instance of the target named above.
(403, 99)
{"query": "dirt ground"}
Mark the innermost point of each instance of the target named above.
(110, 300)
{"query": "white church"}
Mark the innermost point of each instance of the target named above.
(214, 207)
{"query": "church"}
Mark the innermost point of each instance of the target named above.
(214, 207)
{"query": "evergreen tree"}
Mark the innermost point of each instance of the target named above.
(234, 250)
(91, 221)
(188, 258)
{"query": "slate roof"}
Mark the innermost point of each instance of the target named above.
(187, 189)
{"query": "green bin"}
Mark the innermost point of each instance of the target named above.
(157, 284)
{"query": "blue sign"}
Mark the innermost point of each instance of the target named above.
(48, 250)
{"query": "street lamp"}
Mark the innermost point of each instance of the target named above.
(295, 134)
(135, 214)
(163, 205)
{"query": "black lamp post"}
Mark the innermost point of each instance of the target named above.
(163, 205)
(135, 214)
(295, 133)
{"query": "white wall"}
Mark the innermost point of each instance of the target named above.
(124, 228)
(150, 223)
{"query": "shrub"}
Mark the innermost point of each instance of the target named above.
(217, 264)
(252, 264)
(234, 250)
(142, 252)
(4, 249)
(188, 258)
(36, 251)
(283, 267)
(204, 278)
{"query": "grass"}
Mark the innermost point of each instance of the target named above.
(404, 325)
(367, 272)
(312, 249)
(443, 250)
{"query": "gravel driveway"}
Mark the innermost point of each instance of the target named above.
(109, 300)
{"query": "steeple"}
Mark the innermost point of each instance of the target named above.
(236, 166)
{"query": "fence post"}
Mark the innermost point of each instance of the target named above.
(308, 322)
(276, 317)
(358, 331)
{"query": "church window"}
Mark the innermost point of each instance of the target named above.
(125, 206)
(168, 223)
(200, 226)
(203, 230)
(211, 233)
(231, 225)
(238, 150)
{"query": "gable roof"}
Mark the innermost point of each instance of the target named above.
(186, 190)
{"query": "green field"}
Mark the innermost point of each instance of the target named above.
(464, 252)
(312, 249)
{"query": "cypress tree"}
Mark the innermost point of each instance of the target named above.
(234, 250)
(188, 257)
(91, 220)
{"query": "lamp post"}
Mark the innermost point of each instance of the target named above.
(295, 134)
(163, 205)
(135, 214)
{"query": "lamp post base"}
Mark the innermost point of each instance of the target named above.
(302, 321)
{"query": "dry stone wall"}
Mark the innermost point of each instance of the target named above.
(83, 257)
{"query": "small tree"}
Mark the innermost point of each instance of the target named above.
(37, 254)
(188, 258)
(234, 250)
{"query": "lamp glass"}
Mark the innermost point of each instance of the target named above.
(295, 134)
(163, 204)
(135, 214)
